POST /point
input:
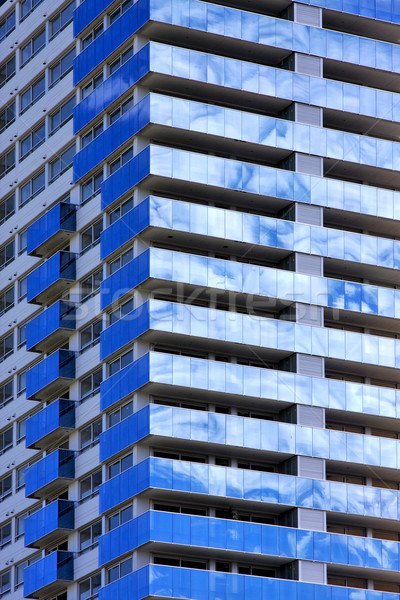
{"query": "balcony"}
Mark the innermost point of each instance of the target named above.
(49, 575)
(50, 474)
(51, 278)
(124, 382)
(124, 229)
(52, 230)
(161, 581)
(51, 424)
(48, 525)
(52, 327)
(51, 376)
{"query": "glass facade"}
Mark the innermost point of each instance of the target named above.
(200, 393)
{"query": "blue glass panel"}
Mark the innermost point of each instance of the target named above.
(49, 471)
(48, 325)
(45, 573)
(97, 151)
(124, 383)
(48, 423)
(51, 228)
(52, 373)
(110, 40)
(57, 516)
(45, 280)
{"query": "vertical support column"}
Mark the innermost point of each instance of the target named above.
(303, 364)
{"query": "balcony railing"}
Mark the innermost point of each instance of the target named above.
(50, 474)
(51, 375)
(49, 575)
(48, 525)
(51, 278)
(52, 230)
(51, 424)
(52, 327)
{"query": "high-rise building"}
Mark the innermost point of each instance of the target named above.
(200, 299)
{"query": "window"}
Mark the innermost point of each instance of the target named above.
(121, 362)
(61, 68)
(20, 521)
(7, 70)
(7, 116)
(384, 534)
(91, 85)
(90, 335)
(121, 160)
(384, 586)
(6, 346)
(21, 473)
(180, 562)
(7, 208)
(5, 487)
(7, 162)
(5, 583)
(347, 530)
(62, 19)
(92, 134)
(21, 430)
(121, 110)
(22, 288)
(120, 414)
(5, 534)
(62, 596)
(32, 94)
(21, 382)
(121, 210)
(21, 476)
(348, 582)
(120, 570)
(121, 261)
(94, 34)
(7, 25)
(21, 336)
(91, 236)
(256, 571)
(89, 435)
(6, 393)
(190, 405)
(90, 485)
(122, 516)
(33, 140)
(192, 510)
(27, 6)
(90, 385)
(22, 241)
(120, 10)
(20, 569)
(62, 116)
(62, 163)
(121, 465)
(89, 536)
(34, 45)
(121, 311)
(185, 457)
(32, 188)
(91, 187)
(91, 284)
(20, 525)
(61, 546)
(6, 440)
(88, 589)
(121, 60)
(6, 300)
